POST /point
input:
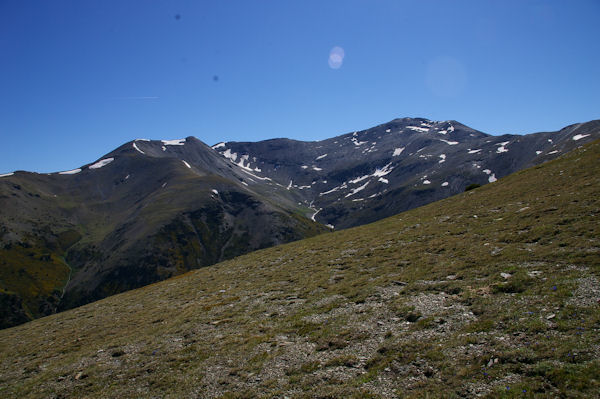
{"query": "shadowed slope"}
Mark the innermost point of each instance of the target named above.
(144, 212)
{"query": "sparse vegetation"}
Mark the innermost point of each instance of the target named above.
(492, 293)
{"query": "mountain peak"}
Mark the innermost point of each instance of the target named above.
(148, 209)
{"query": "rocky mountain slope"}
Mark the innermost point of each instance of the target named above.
(153, 209)
(363, 176)
(144, 212)
(491, 293)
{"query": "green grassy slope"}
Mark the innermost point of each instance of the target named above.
(33, 274)
(493, 293)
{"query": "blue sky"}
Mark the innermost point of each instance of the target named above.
(79, 78)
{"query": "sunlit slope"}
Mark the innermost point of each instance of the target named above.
(493, 292)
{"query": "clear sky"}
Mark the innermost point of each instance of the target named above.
(80, 77)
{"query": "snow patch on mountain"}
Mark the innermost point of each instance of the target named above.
(356, 142)
(333, 190)
(449, 142)
(218, 145)
(386, 170)
(356, 190)
(70, 172)
(256, 177)
(101, 163)
(579, 136)
(233, 156)
(473, 151)
(502, 147)
(137, 149)
(320, 157)
(379, 172)
(359, 179)
(443, 156)
(186, 164)
(398, 151)
(230, 155)
(418, 129)
(174, 142)
(242, 163)
(314, 215)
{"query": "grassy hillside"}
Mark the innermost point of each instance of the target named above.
(33, 274)
(490, 293)
(67, 240)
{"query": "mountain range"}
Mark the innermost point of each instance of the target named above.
(153, 209)
(491, 293)
(366, 175)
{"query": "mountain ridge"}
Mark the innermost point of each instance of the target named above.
(305, 164)
(151, 209)
(122, 208)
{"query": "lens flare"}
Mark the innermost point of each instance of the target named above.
(336, 57)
